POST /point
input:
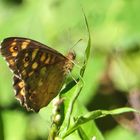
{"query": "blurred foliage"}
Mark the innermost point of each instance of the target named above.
(113, 70)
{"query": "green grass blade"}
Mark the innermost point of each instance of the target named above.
(96, 114)
(87, 51)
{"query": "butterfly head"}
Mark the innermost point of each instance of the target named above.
(71, 55)
(69, 62)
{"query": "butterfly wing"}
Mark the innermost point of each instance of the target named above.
(43, 73)
(39, 70)
(11, 47)
(43, 86)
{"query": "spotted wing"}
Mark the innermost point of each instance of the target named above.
(19, 87)
(11, 47)
(39, 70)
(43, 74)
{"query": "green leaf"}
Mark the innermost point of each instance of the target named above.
(87, 51)
(96, 114)
(82, 134)
(77, 87)
(118, 111)
(69, 99)
(89, 128)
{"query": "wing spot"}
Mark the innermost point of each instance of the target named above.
(24, 73)
(14, 43)
(21, 84)
(34, 65)
(26, 54)
(43, 56)
(14, 54)
(34, 53)
(27, 40)
(30, 73)
(12, 49)
(11, 62)
(22, 92)
(26, 59)
(25, 44)
(48, 59)
(26, 64)
(15, 48)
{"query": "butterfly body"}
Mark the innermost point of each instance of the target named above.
(39, 71)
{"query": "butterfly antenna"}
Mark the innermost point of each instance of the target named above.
(75, 44)
(71, 50)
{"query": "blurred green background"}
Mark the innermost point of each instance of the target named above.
(112, 78)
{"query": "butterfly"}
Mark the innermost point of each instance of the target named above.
(39, 71)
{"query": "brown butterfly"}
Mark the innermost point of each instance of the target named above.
(39, 71)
